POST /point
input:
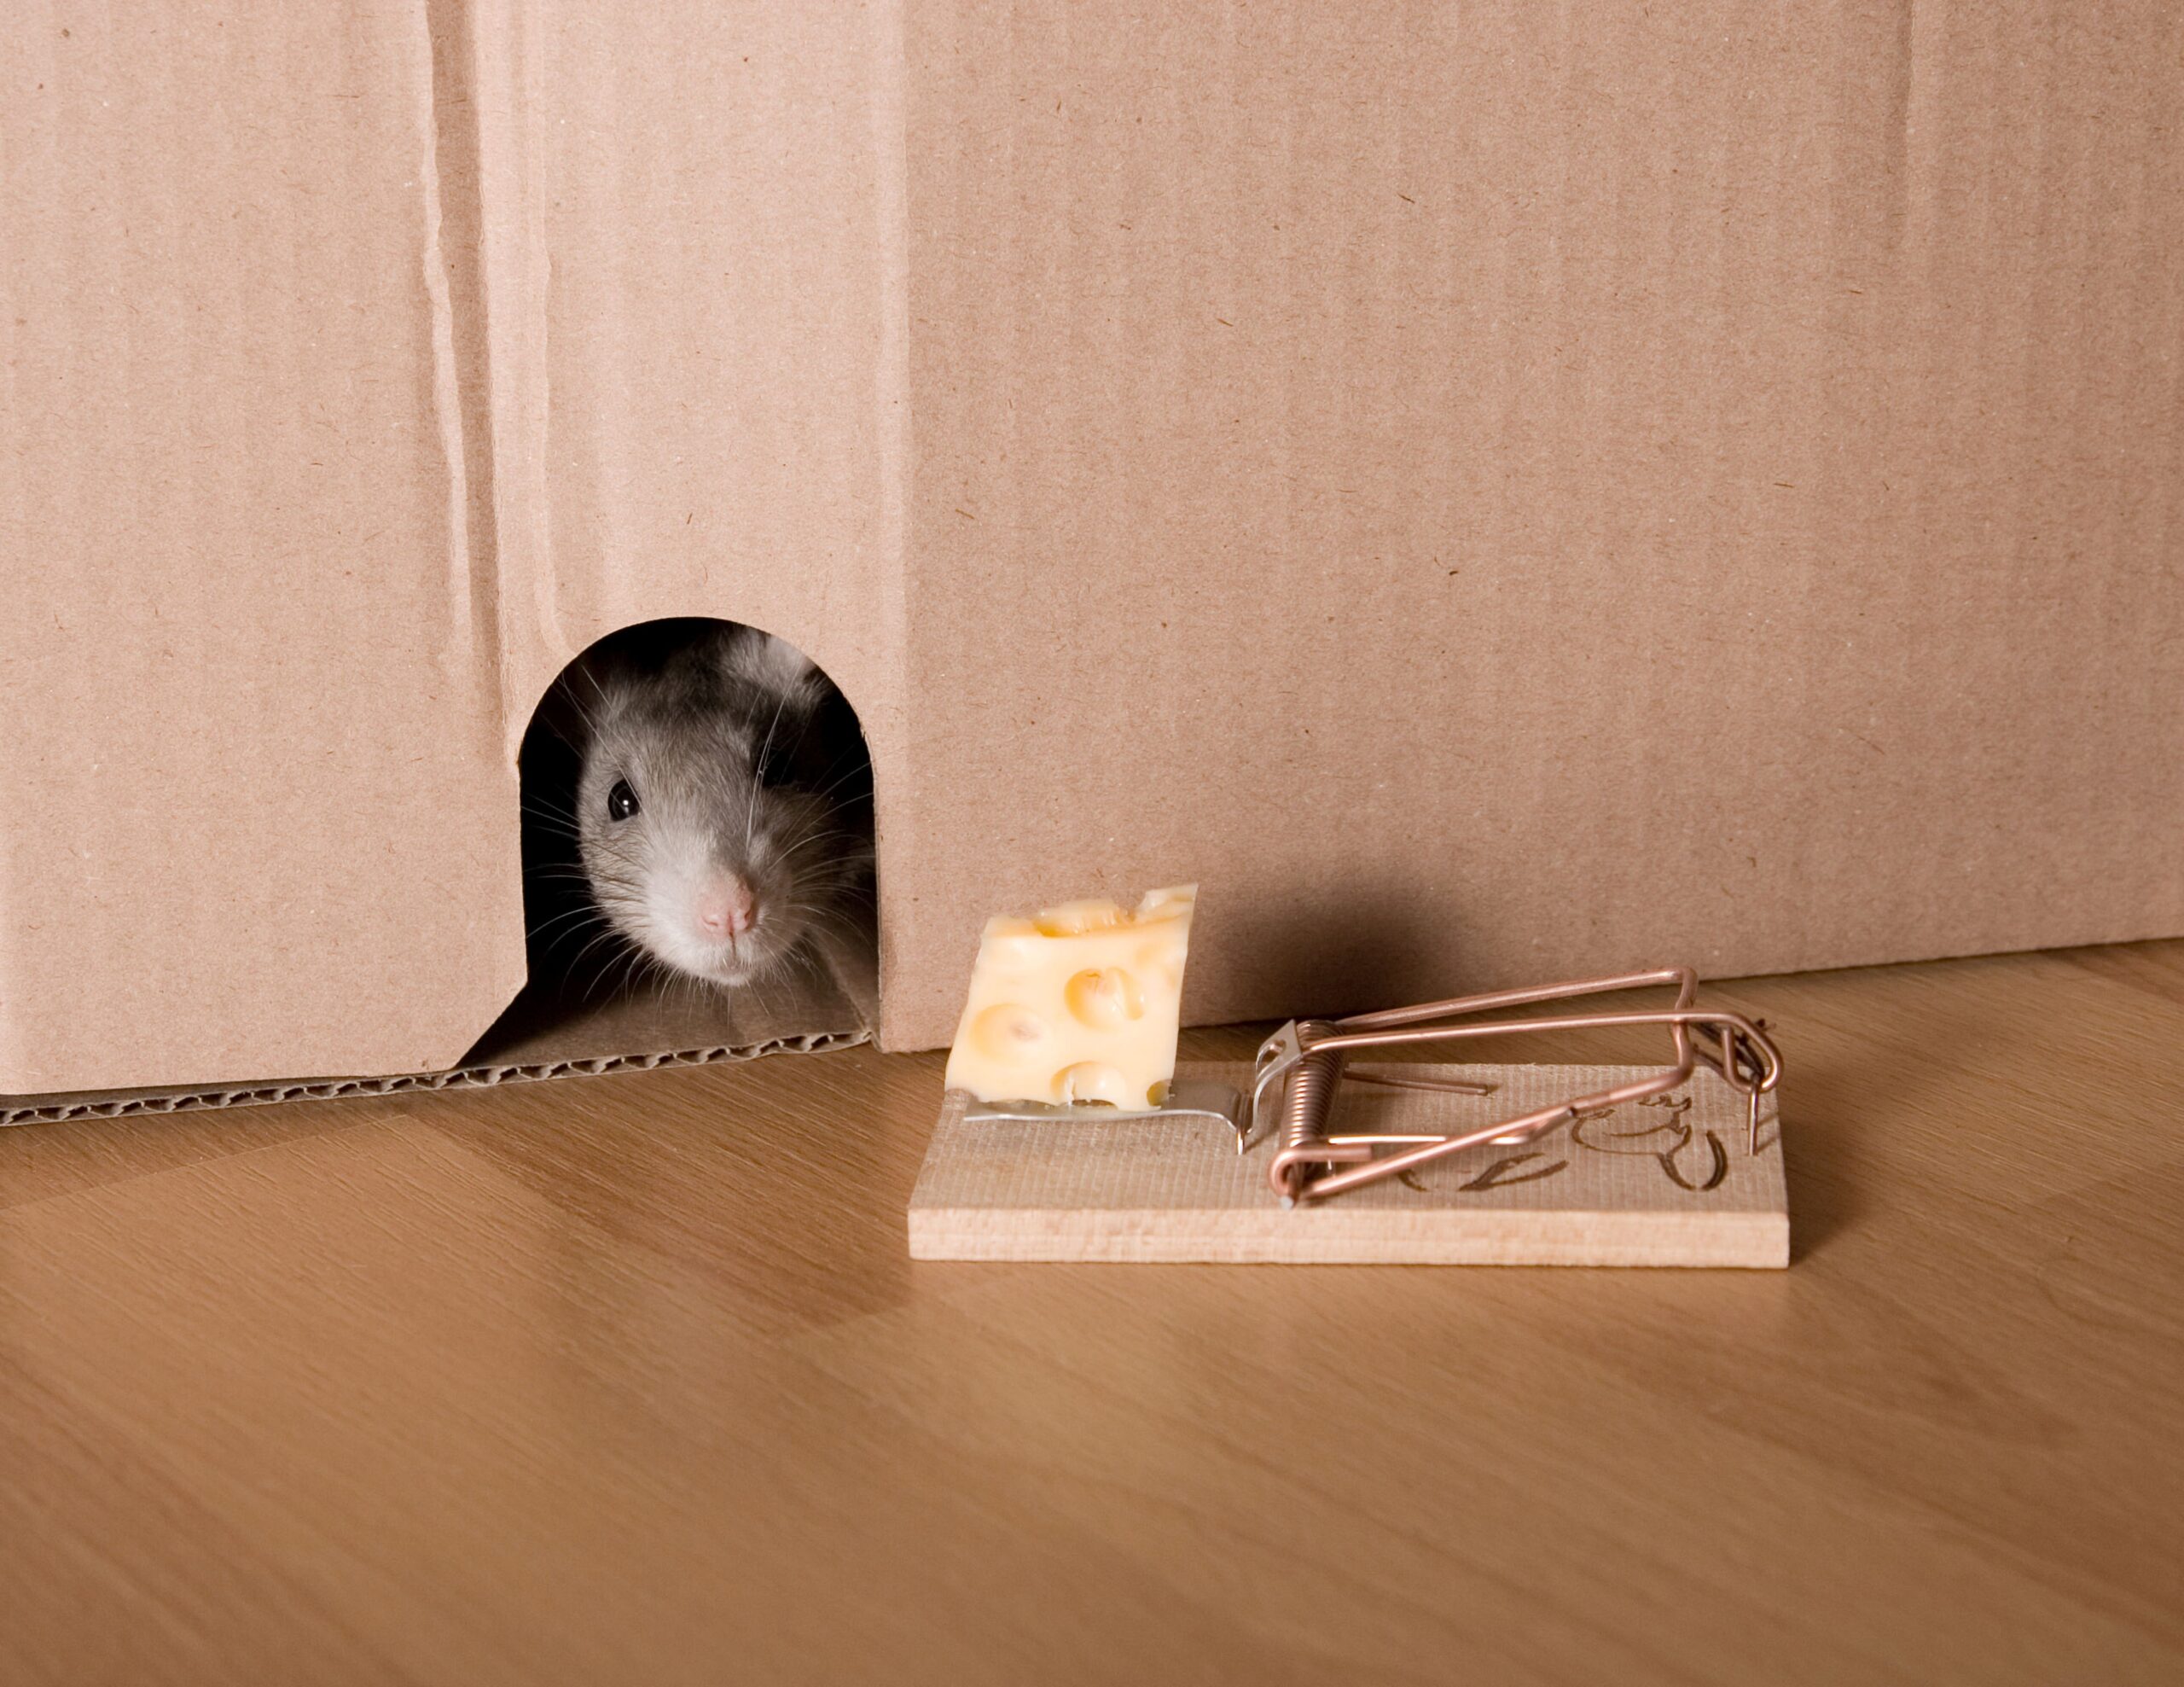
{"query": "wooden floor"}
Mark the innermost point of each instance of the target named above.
(629, 1380)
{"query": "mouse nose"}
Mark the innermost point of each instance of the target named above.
(725, 907)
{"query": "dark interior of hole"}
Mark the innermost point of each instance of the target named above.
(592, 993)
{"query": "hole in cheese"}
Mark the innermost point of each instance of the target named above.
(1103, 997)
(1010, 1031)
(1090, 1080)
(1074, 919)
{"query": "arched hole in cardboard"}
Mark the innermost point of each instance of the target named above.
(596, 997)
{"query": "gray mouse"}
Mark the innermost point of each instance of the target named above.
(721, 797)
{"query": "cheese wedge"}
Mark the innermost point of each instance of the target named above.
(1079, 1003)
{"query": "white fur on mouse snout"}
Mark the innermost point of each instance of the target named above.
(715, 874)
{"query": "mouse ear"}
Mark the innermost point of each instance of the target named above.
(760, 658)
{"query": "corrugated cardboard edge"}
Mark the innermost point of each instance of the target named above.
(55, 1109)
(840, 1010)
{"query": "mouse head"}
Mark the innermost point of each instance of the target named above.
(707, 834)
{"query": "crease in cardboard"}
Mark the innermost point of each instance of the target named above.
(488, 268)
(510, 103)
(1901, 83)
(454, 281)
(892, 422)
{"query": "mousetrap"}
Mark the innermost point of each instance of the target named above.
(1305, 1157)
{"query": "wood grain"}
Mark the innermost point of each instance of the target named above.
(631, 1379)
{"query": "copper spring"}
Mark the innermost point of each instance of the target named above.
(1308, 1098)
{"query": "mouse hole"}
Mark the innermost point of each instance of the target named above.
(632, 952)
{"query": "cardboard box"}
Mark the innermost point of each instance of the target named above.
(1491, 492)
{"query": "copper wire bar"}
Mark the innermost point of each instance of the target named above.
(1452, 1085)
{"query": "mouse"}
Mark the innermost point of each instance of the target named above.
(720, 802)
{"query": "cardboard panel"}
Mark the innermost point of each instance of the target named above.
(359, 378)
(1491, 492)
(1499, 492)
(260, 816)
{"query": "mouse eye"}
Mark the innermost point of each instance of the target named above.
(621, 801)
(773, 766)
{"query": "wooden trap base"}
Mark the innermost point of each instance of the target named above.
(1667, 1182)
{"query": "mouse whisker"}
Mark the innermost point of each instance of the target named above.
(817, 834)
(836, 783)
(606, 970)
(627, 976)
(545, 925)
(751, 812)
